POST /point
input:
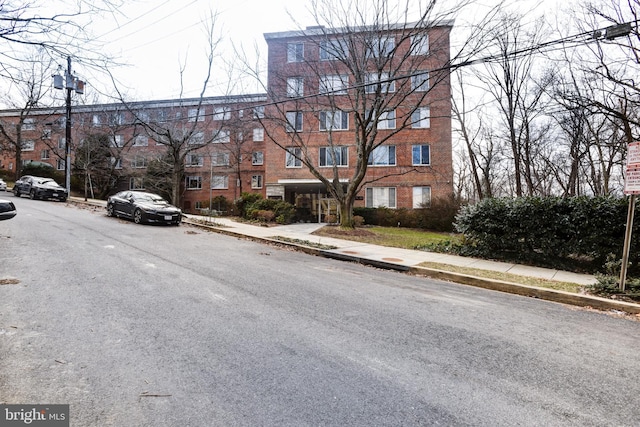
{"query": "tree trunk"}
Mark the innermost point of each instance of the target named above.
(346, 214)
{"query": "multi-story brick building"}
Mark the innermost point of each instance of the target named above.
(325, 89)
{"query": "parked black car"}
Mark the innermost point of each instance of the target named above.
(143, 207)
(39, 188)
(7, 209)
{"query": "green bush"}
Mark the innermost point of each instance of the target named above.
(253, 206)
(439, 216)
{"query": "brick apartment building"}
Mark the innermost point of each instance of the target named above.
(257, 143)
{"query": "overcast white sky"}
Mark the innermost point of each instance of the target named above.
(155, 36)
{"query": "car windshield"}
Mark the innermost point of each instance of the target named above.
(46, 181)
(150, 198)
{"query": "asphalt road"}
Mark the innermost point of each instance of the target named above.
(174, 326)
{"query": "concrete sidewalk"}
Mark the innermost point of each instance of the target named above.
(300, 235)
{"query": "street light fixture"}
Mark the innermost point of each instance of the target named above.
(68, 82)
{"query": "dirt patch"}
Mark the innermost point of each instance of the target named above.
(343, 232)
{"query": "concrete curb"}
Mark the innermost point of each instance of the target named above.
(561, 297)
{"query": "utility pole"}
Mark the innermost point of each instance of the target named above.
(69, 82)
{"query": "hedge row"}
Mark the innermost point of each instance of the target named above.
(550, 231)
(439, 216)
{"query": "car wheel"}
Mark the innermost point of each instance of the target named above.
(32, 194)
(109, 210)
(64, 199)
(137, 216)
(16, 192)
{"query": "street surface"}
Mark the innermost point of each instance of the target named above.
(137, 325)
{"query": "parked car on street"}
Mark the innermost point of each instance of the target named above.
(3, 185)
(39, 188)
(7, 209)
(143, 207)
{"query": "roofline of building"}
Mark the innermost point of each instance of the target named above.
(320, 30)
(153, 104)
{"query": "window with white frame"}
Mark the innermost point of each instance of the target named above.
(257, 158)
(258, 134)
(380, 47)
(387, 120)
(258, 112)
(195, 114)
(46, 133)
(29, 124)
(219, 182)
(384, 155)
(116, 163)
(421, 118)
(421, 155)
(139, 162)
(293, 157)
(221, 113)
(197, 138)
(161, 116)
(382, 79)
(330, 156)
(142, 116)
(45, 155)
(136, 183)
(62, 143)
(194, 160)
(141, 141)
(421, 197)
(420, 44)
(333, 49)
(28, 145)
(220, 158)
(420, 82)
(117, 141)
(97, 120)
(377, 197)
(295, 87)
(295, 52)
(194, 182)
(256, 181)
(60, 164)
(334, 120)
(294, 121)
(221, 136)
(334, 83)
(116, 118)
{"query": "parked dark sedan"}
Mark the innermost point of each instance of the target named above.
(39, 188)
(143, 207)
(7, 209)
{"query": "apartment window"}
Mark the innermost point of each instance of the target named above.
(380, 197)
(420, 82)
(420, 44)
(333, 49)
(161, 116)
(295, 52)
(295, 87)
(374, 79)
(294, 121)
(334, 120)
(387, 120)
(97, 120)
(197, 138)
(258, 112)
(28, 146)
(196, 115)
(421, 155)
(385, 155)
(136, 183)
(257, 158)
(256, 181)
(340, 154)
(62, 143)
(420, 118)
(334, 83)
(46, 134)
(221, 113)
(293, 157)
(219, 182)
(221, 136)
(117, 119)
(139, 162)
(421, 197)
(29, 124)
(141, 141)
(194, 160)
(220, 159)
(380, 47)
(258, 134)
(60, 165)
(44, 155)
(142, 117)
(116, 163)
(118, 141)
(194, 183)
